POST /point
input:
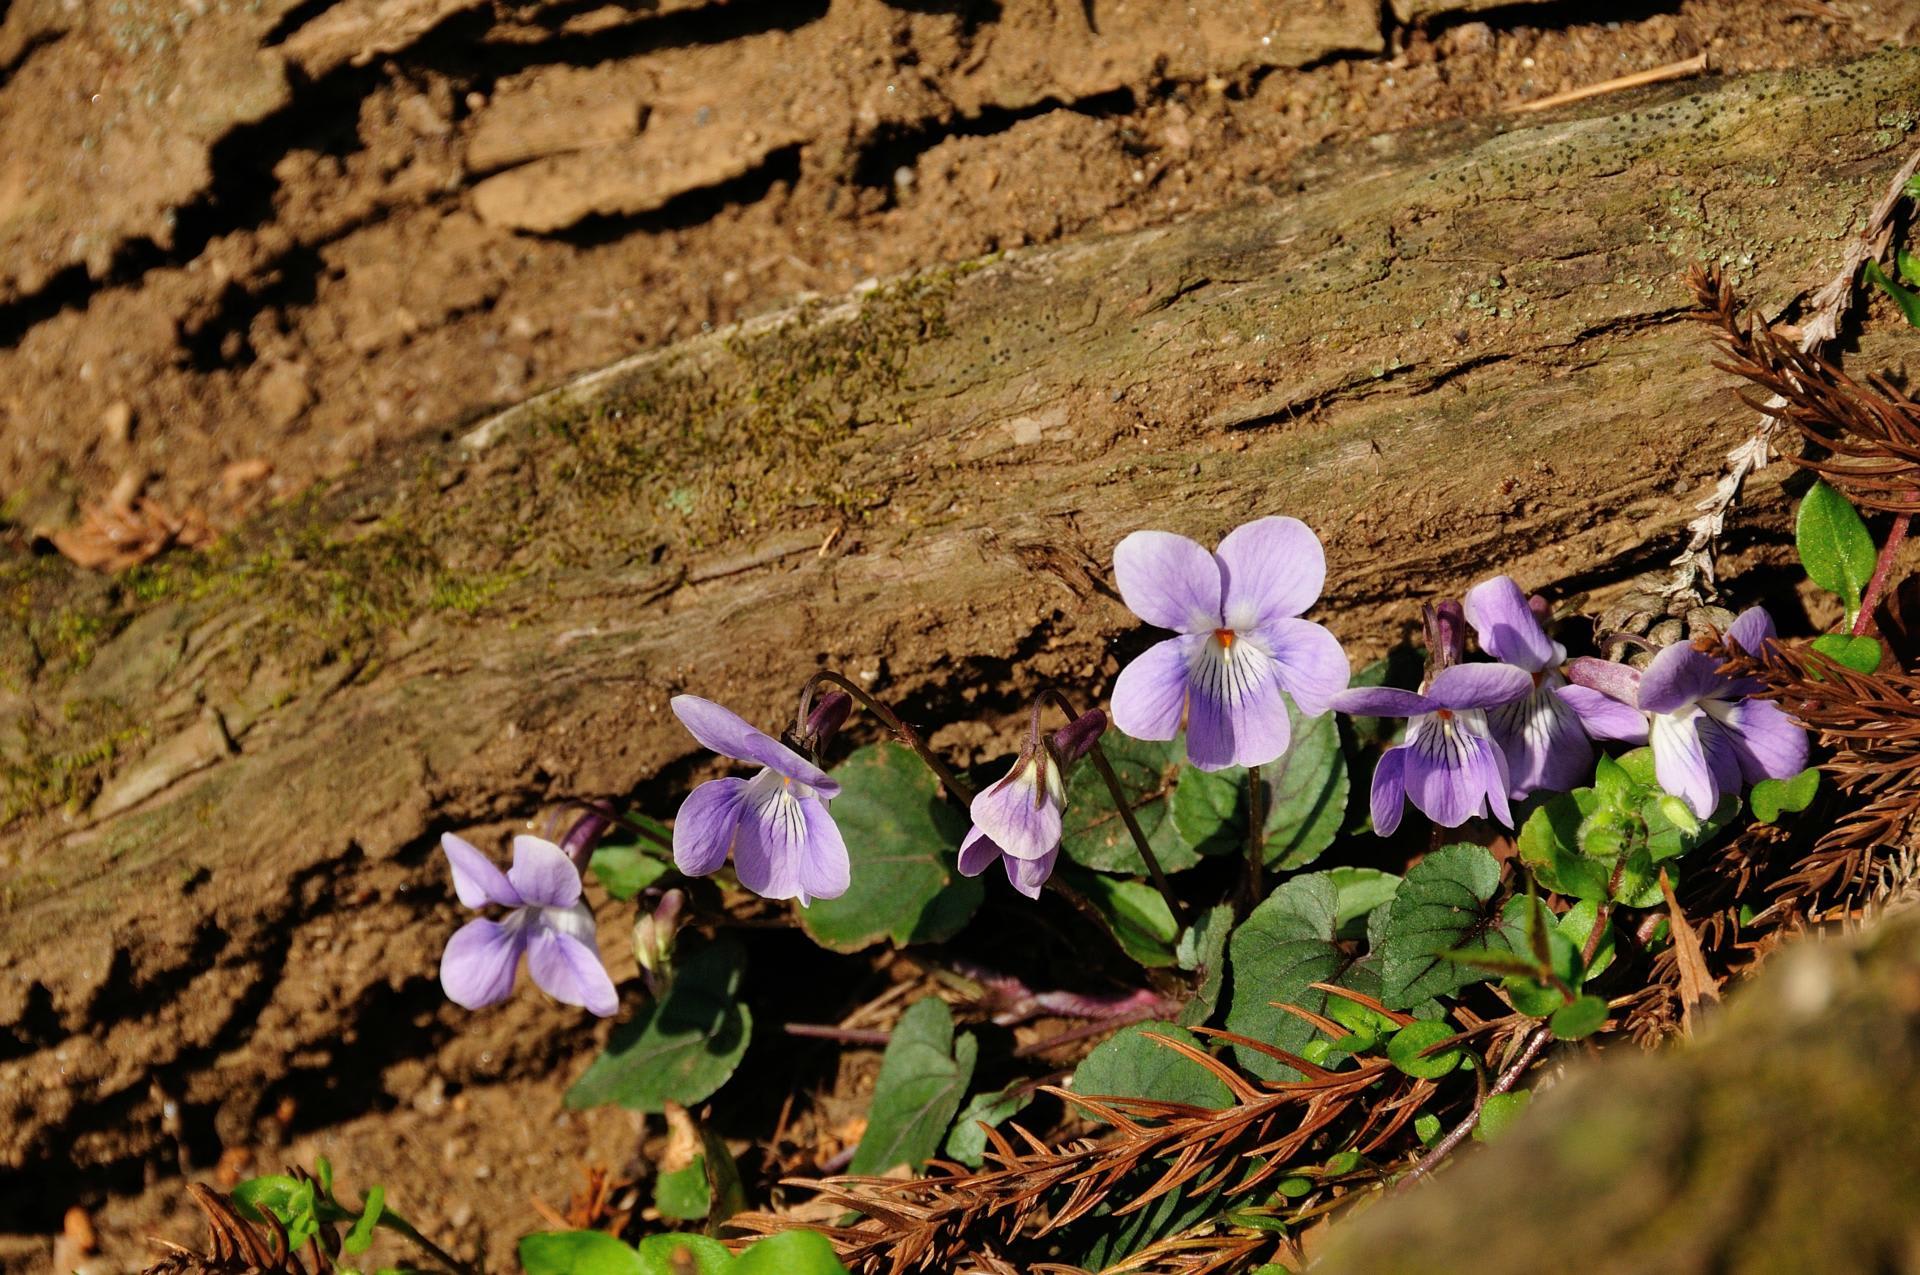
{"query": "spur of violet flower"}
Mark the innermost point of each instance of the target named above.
(1240, 640)
(1449, 766)
(1018, 819)
(549, 922)
(1708, 737)
(775, 825)
(1540, 735)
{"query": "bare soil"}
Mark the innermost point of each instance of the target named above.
(244, 248)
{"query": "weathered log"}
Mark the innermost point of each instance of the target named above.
(1782, 1140)
(1457, 352)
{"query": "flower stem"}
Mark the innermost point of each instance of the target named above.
(1098, 756)
(1881, 568)
(1256, 835)
(1508, 1078)
(910, 737)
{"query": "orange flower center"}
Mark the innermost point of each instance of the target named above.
(1444, 714)
(1224, 637)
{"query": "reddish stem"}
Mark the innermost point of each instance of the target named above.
(1882, 567)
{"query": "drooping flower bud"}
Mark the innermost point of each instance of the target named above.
(824, 722)
(1446, 625)
(583, 836)
(1077, 738)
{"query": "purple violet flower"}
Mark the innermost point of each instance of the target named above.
(1708, 737)
(1541, 736)
(1241, 641)
(784, 843)
(1018, 819)
(1449, 766)
(549, 922)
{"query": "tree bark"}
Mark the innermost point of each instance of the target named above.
(1453, 353)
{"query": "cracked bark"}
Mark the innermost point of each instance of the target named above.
(1453, 354)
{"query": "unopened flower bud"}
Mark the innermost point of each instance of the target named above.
(584, 836)
(653, 938)
(825, 721)
(1446, 625)
(1077, 738)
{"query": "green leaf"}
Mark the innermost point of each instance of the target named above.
(1132, 1064)
(1614, 784)
(790, 1253)
(1284, 945)
(1908, 301)
(1835, 546)
(661, 1255)
(1907, 266)
(1203, 950)
(683, 1195)
(680, 1049)
(1102, 1240)
(923, 1077)
(578, 1253)
(1138, 916)
(1579, 1020)
(1360, 891)
(1530, 993)
(1549, 846)
(966, 1140)
(625, 868)
(1307, 792)
(1772, 796)
(1407, 1050)
(1443, 903)
(1576, 924)
(1668, 839)
(323, 1170)
(361, 1235)
(1092, 832)
(1861, 654)
(1638, 763)
(1426, 1128)
(1498, 1113)
(1305, 799)
(902, 842)
(291, 1202)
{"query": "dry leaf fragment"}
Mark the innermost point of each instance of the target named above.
(1696, 982)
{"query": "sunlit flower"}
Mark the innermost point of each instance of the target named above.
(1241, 641)
(549, 923)
(1539, 734)
(1017, 820)
(1708, 737)
(776, 826)
(1449, 766)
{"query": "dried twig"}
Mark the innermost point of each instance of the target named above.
(1829, 305)
(1685, 68)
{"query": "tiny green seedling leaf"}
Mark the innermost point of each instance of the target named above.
(675, 1255)
(1579, 1020)
(1835, 546)
(1499, 1113)
(1771, 797)
(1861, 654)
(1407, 1050)
(789, 1253)
(361, 1235)
(579, 1253)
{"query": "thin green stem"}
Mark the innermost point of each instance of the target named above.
(438, 1254)
(1098, 756)
(908, 735)
(1256, 835)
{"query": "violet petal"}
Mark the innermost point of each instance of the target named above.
(543, 874)
(703, 830)
(1507, 627)
(476, 969)
(1310, 662)
(477, 880)
(1168, 581)
(723, 731)
(1273, 569)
